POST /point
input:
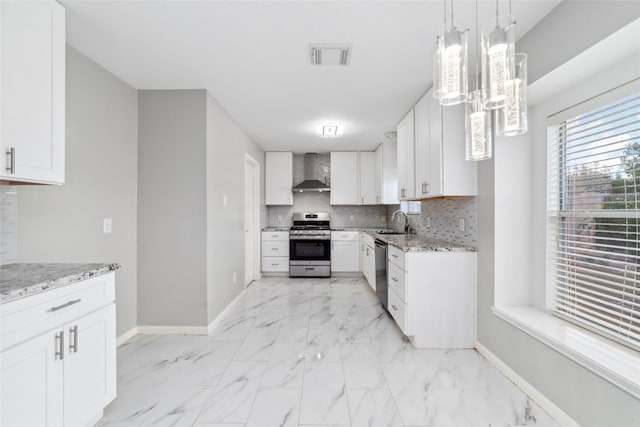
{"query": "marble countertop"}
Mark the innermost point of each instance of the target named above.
(275, 229)
(416, 243)
(21, 280)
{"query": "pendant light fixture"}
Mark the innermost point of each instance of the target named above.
(478, 132)
(498, 58)
(450, 64)
(512, 118)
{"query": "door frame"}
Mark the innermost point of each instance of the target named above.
(253, 224)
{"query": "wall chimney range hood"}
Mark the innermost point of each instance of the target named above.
(311, 182)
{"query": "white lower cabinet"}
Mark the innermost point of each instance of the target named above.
(65, 374)
(275, 251)
(368, 259)
(345, 251)
(432, 297)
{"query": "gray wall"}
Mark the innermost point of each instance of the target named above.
(583, 395)
(64, 223)
(570, 28)
(172, 208)
(227, 144)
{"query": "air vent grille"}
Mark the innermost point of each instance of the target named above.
(330, 54)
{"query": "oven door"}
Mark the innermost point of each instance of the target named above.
(309, 249)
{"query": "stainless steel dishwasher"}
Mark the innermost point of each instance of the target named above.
(381, 273)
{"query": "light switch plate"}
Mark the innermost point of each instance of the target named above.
(107, 226)
(225, 201)
(428, 222)
(352, 218)
(461, 224)
(279, 218)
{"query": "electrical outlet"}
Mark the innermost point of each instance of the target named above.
(235, 277)
(279, 218)
(107, 226)
(461, 224)
(352, 218)
(428, 222)
(383, 217)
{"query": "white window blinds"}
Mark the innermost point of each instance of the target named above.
(594, 191)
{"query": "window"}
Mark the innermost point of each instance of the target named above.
(594, 214)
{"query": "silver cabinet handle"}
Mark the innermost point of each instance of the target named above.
(394, 307)
(274, 235)
(60, 307)
(73, 345)
(275, 249)
(11, 168)
(309, 268)
(367, 251)
(377, 199)
(394, 279)
(394, 255)
(60, 346)
(275, 265)
(362, 198)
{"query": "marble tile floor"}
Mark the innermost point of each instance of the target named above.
(309, 352)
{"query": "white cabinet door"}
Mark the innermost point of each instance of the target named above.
(369, 267)
(278, 179)
(345, 256)
(423, 163)
(435, 148)
(458, 175)
(387, 173)
(31, 378)
(32, 132)
(406, 160)
(89, 366)
(345, 178)
(368, 178)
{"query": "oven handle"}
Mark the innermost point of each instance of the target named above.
(294, 238)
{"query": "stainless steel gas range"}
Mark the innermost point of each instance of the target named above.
(310, 245)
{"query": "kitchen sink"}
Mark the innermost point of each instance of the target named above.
(389, 232)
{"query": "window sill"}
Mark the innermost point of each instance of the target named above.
(611, 361)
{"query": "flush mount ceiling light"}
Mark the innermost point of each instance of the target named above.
(330, 130)
(391, 136)
(330, 54)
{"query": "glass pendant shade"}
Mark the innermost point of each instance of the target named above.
(452, 67)
(511, 120)
(479, 136)
(437, 67)
(498, 56)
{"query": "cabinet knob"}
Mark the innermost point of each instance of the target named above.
(394, 279)
(394, 307)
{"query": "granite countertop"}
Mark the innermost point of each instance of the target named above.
(416, 243)
(275, 229)
(21, 280)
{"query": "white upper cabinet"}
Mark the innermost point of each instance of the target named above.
(278, 178)
(386, 175)
(423, 138)
(406, 157)
(32, 124)
(431, 152)
(451, 174)
(345, 178)
(368, 193)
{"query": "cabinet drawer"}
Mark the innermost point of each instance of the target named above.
(368, 240)
(397, 279)
(279, 249)
(397, 257)
(398, 310)
(275, 264)
(345, 235)
(30, 316)
(275, 236)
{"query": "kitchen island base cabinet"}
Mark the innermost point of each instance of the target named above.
(432, 297)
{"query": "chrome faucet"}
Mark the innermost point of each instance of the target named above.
(406, 220)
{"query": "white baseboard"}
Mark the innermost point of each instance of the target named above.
(547, 405)
(172, 330)
(215, 322)
(126, 336)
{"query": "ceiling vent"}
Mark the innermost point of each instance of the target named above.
(330, 54)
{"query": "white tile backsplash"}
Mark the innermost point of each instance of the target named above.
(8, 224)
(363, 216)
(445, 215)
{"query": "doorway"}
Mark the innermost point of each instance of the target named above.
(251, 220)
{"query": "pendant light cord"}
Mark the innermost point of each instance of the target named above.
(497, 24)
(445, 14)
(452, 14)
(477, 55)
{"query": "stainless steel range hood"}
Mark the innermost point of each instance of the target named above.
(311, 182)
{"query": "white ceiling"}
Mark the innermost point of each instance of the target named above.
(253, 57)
